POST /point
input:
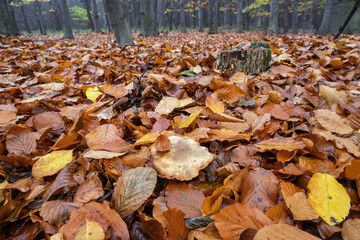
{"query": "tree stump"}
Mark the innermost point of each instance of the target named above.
(251, 61)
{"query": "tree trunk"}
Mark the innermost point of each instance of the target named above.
(96, 19)
(147, 21)
(239, 17)
(170, 14)
(68, 34)
(304, 17)
(325, 23)
(118, 21)
(287, 16)
(58, 16)
(12, 14)
(27, 28)
(213, 17)
(155, 17)
(88, 12)
(6, 19)
(274, 16)
(38, 15)
(182, 16)
(295, 23)
(311, 22)
(160, 13)
(200, 16)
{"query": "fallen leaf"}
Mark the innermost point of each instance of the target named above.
(190, 119)
(328, 198)
(51, 163)
(175, 224)
(286, 231)
(90, 189)
(7, 116)
(215, 104)
(351, 229)
(132, 189)
(20, 140)
(93, 93)
(333, 96)
(280, 143)
(332, 122)
(57, 212)
(300, 207)
(90, 231)
(162, 143)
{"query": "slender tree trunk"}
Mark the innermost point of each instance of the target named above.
(96, 18)
(295, 22)
(147, 18)
(6, 19)
(38, 16)
(170, 16)
(88, 12)
(12, 14)
(68, 34)
(325, 23)
(304, 16)
(155, 17)
(200, 16)
(239, 17)
(27, 28)
(213, 17)
(311, 22)
(58, 16)
(287, 16)
(182, 16)
(118, 20)
(160, 13)
(274, 16)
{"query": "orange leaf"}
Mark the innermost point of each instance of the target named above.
(7, 116)
(162, 143)
(215, 104)
(175, 224)
(280, 143)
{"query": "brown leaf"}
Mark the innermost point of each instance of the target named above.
(215, 104)
(280, 143)
(7, 116)
(132, 189)
(272, 232)
(279, 214)
(106, 137)
(351, 229)
(152, 227)
(162, 143)
(332, 122)
(89, 190)
(282, 112)
(259, 188)
(20, 140)
(184, 197)
(46, 120)
(57, 212)
(236, 218)
(184, 160)
(175, 224)
(205, 233)
(300, 207)
(110, 221)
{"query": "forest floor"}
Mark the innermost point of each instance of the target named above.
(149, 141)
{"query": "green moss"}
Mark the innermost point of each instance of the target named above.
(260, 44)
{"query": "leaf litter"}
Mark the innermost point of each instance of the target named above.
(149, 141)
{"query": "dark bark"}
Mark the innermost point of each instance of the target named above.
(303, 22)
(88, 12)
(295, 24)
(68, 34)
(351, 14)
(239, 17)
(6, 19)
(119, 22)
(182, 16)
(160, 13)
(274, 16)
(311, 22)
(38, 16)
(213, 17)
(12, 14)
(200, 16)
(27, 28)
(155, 17)
(147, 21)
(96, 17)
(325, 23)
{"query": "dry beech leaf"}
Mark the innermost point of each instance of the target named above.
(93, 93)
(282, 112)
(152, 227)
(184, 197)
(259, 188)
(353, 171)
(51, 163)
(160, 207)
(232, 183)
(175, 224)
(99, 154)
(168, 104)
(20, 140)
(351, 229)
(332, 122)
(283, 232)
(215, 104)
(300, 207)
(190, 119)
(333, 96)
(57, 212)
(236, 218)
(7, 116)
(90, 231)
(110, 221)
(90, 189)
(114, 90)
(132, 189)
(280, 143)
(57, 236)
(205, 233)
(285, 156)
(162, 143)
(328, 198)
(106, 137)
(46, 120)
(279, 214)
(183, 161)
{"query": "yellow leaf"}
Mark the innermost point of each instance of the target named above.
(215, 104)
(333, 96)
(93, 93)
(90, 231)
(147, 138)
(57, 236)
(51, 163)
(190, 119)
(328, 198)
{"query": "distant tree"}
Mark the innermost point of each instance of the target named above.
(118, 20)
(147, 18)
(274, 16)
(214, 16)
(27, 28)
(38, 15)
(200, 16)
(182, 16)
(6, 20)
(295, 24)
(239, 17)
(68, 34)
(325, 23)
(96, 18)
(88, 12)
(311, 22)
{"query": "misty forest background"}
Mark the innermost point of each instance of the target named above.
(152, 17)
